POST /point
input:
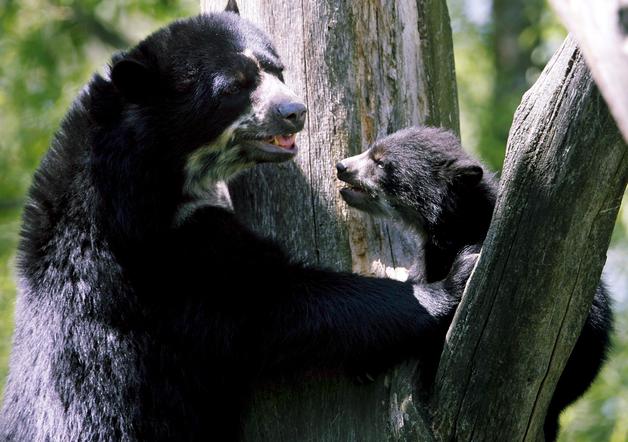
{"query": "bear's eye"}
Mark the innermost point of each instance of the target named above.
(379, 163)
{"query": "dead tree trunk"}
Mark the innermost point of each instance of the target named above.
(565, 172)
(601, 30)
(364, 68)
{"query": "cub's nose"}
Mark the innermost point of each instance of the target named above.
(344, 173)
(293, 112)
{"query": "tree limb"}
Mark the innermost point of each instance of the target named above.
(601, 30)
(524, 306)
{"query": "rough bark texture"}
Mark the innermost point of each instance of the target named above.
(564, 176)
(601, 30)
(364, 69)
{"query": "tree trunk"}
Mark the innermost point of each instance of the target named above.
(364, 69)
(564, 176)
(601, 30)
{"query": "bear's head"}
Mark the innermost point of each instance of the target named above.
(189, 106)
(416, 175)
(213, 80)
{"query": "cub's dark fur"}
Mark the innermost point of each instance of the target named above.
(145, 308)
(422, 177)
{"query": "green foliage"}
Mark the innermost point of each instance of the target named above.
(8, 242)
(497, 64)
(48, 51)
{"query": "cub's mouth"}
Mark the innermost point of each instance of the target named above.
(355, 187)
(361, 194)
(363, 191)
(356, 191)
(357, 194)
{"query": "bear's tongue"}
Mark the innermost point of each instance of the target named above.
(284, 141)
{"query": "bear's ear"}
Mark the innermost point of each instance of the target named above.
(135, 81)
(232, 6)
(467, 173)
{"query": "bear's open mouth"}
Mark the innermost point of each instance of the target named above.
(271, 148)
(287, 141)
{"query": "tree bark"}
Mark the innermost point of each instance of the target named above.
(524, 306)
(364, 69)
(601, 30)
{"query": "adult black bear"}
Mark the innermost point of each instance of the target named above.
(145, 308)
(422, 177)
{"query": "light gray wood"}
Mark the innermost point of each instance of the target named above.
(361, 68)
(364, 69)
(563, 180)
(601, 30)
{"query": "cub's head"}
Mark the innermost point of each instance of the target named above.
(211, 90)
(414, 175)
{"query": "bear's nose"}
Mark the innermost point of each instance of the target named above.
(340, 167)
(293, 112)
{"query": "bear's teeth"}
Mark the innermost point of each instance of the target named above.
(284, 141)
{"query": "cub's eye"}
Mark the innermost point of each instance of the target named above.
(379, 163)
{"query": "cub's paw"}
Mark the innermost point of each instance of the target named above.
(460, 271)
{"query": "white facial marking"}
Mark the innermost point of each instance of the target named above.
(206, 170)
(266, 94)
(248, 52)
(361, 165)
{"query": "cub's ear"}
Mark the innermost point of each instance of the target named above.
(467, 173)
(134, 79)
(232, 6)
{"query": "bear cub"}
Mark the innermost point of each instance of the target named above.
(423, 178)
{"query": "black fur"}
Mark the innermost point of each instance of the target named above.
(422, 177)
(139, 320)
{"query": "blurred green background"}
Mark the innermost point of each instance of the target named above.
(49, 48)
